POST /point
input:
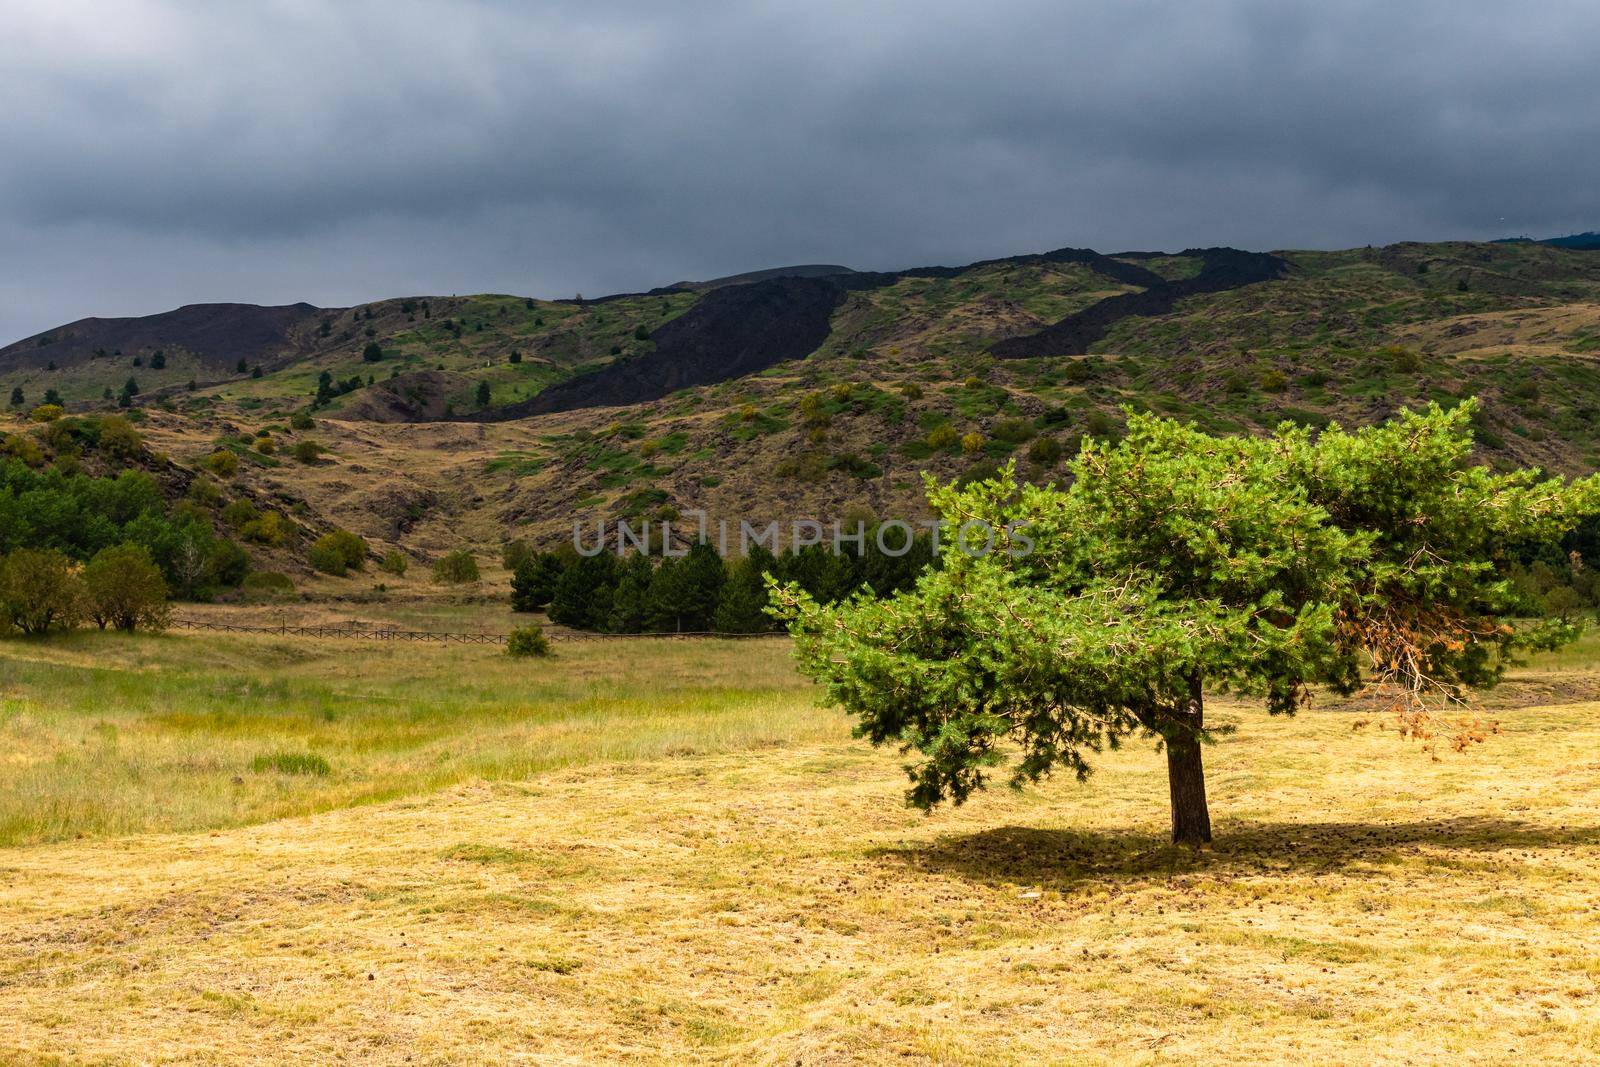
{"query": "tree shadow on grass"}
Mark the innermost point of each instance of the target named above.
(1018, 855)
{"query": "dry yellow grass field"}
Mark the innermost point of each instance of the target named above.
(766, 898)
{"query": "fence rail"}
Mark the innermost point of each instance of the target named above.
(384, 633)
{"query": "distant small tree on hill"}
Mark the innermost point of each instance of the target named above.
(17, 397)
(482, 394)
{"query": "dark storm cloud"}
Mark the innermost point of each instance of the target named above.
(153, 154)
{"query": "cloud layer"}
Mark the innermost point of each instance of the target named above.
(160, 153)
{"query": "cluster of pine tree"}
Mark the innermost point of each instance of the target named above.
(701, 592)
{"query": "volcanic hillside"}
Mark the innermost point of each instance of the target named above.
(824, 392)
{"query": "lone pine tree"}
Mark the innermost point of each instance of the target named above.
(1176, 562)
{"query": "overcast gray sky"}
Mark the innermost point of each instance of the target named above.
(159, 153)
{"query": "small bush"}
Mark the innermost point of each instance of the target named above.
(528, 641)
(205, 492)
(270, 529)
(48, 412)
(119, 438)
(307, 451)
(972, 443)
(456, 567)
(222, 463)
(305, 763)
(1045, 451)
(942, 436)
(1013, 431)
(301, 420)
(1402, 360)
(393, 562)
(338, 552)
(240, 513)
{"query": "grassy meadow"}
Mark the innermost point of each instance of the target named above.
(665, 852)
(110, 734)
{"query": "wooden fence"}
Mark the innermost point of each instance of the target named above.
(362, 632)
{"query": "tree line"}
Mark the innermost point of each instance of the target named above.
(700, 591)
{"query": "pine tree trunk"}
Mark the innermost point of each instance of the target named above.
(1186, 775)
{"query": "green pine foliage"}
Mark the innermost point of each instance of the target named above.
(1176, 562)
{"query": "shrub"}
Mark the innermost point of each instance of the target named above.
(1103, 426)
(454, 568)
(205, 492)
(335, 553)
(1012, 431)
(307, 763)
(1402, 360)
(40, 591)
(47, 412)
(125, 589)
(393, 562)
(972, 443)
(301, 420)
(269, 529)
(266, 446)
(1046, 452)
(307, 451)
(528, 641)
(1273, 380)
(223, 463)
(119, 438)
(240, 513)
(373, 352)
(942, 436)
